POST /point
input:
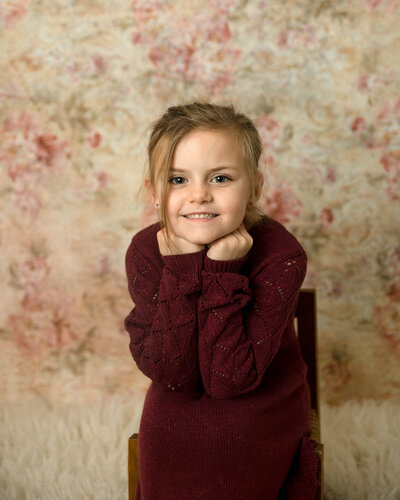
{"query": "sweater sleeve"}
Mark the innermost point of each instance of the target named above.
(163, 324)
(241, 323)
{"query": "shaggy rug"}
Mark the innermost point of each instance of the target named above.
(79, 451)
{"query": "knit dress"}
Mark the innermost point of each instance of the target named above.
(227, 411)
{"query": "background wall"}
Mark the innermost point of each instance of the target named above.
(79, 83)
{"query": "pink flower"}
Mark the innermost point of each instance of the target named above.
(29, 156)
(46, 322)
(391, 163)
(33, 272)
(389, 113)
(145, 10)
(371, 81)
(358, 125)
(267, 159)
(50, 151)
(23, 122)
(218, 29)
(386, 128)
(225, 8)
(102, 179)
(94, 139)
(394, 262)
(270, 131)
(363, 84)
(99, 63)
(194, 50)
(12, 12)
(91, 67)
(385, 5)
(305, 36)
(281, 203)
(282, 39)
(94, 183)
(326, 217)
(330, 174)
(97, 181)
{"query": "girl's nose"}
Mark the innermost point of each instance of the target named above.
(200, 193)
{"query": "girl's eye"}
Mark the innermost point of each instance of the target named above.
(221, 178)
(177, 180)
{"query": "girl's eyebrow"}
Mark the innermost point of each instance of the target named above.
(216, 169)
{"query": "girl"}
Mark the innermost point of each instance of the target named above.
(215, 285)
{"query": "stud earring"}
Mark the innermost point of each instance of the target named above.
(156, 205)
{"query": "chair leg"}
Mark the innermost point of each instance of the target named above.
(133, 465)
(319, 450)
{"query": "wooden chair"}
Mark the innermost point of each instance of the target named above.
(133, 465)
(306, 328)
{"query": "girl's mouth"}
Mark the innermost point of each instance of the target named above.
(201, 216)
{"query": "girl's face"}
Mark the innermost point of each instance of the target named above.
(208, 187)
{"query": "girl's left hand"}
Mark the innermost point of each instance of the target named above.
(232, 246)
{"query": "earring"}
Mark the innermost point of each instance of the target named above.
(156, 205)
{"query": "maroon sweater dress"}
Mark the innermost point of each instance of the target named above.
(227, 410)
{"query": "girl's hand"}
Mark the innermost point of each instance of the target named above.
(183, 246)
(232, 246)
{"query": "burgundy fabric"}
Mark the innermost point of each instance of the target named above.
(227, 412)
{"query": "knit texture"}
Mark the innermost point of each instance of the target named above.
(227, 412)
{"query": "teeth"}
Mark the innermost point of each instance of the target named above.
(200, 216)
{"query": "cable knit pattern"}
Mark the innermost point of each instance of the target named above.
(163, 323)
(240, 328)
(227, 412)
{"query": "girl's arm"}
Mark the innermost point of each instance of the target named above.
(163, 324)
(241, 324)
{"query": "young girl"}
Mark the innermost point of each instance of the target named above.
(215, 285)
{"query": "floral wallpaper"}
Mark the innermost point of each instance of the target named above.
(80, 83)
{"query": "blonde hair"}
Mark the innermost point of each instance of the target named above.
(178, 121)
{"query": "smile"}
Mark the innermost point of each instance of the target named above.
(200, 216)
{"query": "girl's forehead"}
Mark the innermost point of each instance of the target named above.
(204, 144)
(201, 135)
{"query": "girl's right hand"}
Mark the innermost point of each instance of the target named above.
(182, 246)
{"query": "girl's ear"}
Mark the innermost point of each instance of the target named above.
(259, 186)
(149, 190)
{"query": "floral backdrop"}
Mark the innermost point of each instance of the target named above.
(79, 84)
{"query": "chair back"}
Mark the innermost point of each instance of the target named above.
(306, 328)
(306, 316)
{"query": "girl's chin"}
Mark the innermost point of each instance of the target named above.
(200, 241)
(206, 240)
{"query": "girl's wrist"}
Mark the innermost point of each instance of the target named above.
(188, 264)
(227, 266)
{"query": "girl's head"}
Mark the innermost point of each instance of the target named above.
(204, 158)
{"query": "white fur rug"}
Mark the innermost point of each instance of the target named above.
(79, 451)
